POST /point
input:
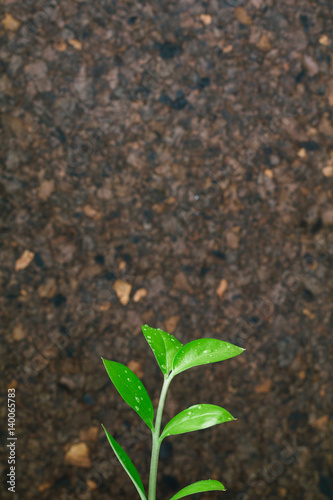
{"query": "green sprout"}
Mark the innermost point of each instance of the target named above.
(173, 358)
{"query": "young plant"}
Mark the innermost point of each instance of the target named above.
(173, 358)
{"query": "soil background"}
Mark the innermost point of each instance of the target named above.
(168, 163)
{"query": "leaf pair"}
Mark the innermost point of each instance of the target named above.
(174, 358)
(134, 393)
(198, 487)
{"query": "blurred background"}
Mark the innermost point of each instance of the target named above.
(168, 163)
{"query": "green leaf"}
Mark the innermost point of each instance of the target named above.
(203, 351)
(164, 346)
(199, 487)
(195, 418)
(131, 390)
(127, 463)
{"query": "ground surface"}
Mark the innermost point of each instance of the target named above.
(184, 148)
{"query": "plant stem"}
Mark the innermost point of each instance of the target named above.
(155, 452)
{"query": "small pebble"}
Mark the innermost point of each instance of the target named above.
(323, 40)
(78, 455)
(222, 288)
(24, 260)
(10, 23)
(139, 294)
(328, 171)
(206, 19)
(123, 291)
(18, 332)
(75, 43)
(242, 16)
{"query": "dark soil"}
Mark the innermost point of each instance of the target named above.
(170, 146)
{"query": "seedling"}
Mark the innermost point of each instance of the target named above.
(173, 358)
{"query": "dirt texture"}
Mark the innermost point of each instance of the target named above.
(168, 163)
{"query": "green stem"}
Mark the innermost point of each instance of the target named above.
(155, 452)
